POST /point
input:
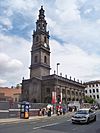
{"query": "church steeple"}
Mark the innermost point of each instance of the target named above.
(41, 14)
(40, 54)
(41, 22)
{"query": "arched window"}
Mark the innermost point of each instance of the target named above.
(76, 93)
(73, 93)
(45, 59)
(38, 26)
(68, 92)
(43, 26)
(45, 39)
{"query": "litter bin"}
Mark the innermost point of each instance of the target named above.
(24, 110)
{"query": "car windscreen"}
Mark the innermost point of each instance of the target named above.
(82, 112)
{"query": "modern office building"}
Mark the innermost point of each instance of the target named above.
(42, 87)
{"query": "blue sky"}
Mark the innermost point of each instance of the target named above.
(74, 27)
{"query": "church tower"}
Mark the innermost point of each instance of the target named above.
(40, 53)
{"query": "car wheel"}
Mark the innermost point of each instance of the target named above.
(95, 118)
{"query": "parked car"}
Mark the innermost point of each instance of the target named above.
(94, 107)
(84, 115)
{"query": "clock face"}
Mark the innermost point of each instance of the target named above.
(45, 45)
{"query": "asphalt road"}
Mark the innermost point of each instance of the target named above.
(58, 124)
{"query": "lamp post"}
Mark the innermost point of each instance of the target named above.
(54, 94)
(57, 80)
(57, 68)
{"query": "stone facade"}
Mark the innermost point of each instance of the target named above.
(39, 87)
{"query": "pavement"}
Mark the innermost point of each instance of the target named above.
(31, 118)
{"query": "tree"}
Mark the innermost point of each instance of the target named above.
(18, 86)
(88, 99)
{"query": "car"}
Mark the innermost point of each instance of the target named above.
(94, 107)
(84, 115)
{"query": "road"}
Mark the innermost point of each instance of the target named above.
(57, 124)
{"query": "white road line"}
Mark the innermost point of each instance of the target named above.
(45, 126)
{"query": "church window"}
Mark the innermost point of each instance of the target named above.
(72, 92)
(80, 93)
(45, 59)
(76, 93)
(43, 26)
(35, 59)
(68, 92)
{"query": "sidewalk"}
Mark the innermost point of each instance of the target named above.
(31, 118)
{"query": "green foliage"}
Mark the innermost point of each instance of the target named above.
(88, 99)
(18, 85)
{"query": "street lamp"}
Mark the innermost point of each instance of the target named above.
(57, 77)
(55, 92)
(57, 67)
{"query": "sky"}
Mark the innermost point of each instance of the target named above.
(74, 27)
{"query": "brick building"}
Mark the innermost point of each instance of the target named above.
(41, 85)
(10, 94)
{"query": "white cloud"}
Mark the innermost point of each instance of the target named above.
(74, 61)
(25, 7)
(6, 23)
(68, 11)
(88, 11)
(7, 62)
(2, 82)
(78, 54)
(14, 58)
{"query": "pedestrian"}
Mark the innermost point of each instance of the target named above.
(43, 112)
(64, 110)
(49, 112)
(40, 112)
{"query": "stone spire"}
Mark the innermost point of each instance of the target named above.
(41, 14)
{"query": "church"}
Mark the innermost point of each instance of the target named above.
(42, 87)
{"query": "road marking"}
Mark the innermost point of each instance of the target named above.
(69, 120)
(45, 126)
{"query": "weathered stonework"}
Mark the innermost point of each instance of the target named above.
(41, 84)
